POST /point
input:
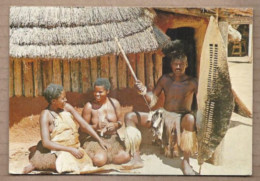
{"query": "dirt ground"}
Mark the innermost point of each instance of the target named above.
(237, 152)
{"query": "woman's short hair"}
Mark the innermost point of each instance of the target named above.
(53, 91)
(103, 82)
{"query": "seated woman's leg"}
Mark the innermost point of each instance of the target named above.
(121, 157)
(100, 158)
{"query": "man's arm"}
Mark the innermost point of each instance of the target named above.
(46, 141)
(84, 125)
(152, 96)
(195, 84)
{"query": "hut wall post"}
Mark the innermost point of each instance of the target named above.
(39, 75)
(158, 64)
(11, 77)
(122, 72)
(74, 73)
(131, 81)
(35, 78)
(18, 88)
(104, 62)
(94, 70)
(47, 72)
(140, 67)
(28, 78)
(149, 71)
(85, 75)
(113, 71)
(66, 75)
(56, 79)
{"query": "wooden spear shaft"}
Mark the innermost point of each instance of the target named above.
(130, 67)
(126, 59)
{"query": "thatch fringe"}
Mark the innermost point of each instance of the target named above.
(85, 32)
(78, 35)
(140, 42)
(72, 16)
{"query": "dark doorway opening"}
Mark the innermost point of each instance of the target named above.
(187, 36)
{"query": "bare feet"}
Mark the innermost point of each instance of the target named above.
(135, 162)
(168, 151)
(28, 169)
(186, 168)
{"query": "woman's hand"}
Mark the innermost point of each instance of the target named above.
(76, 153)
(112, 126)
(102, 124)
(104, 145)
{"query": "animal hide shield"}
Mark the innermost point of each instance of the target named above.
(215, 98)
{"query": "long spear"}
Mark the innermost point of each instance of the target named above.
(130, 67)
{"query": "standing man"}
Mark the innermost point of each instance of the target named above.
(175, 119)
(103, 114)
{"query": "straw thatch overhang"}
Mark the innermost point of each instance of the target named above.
(81, 32)
(231, 15)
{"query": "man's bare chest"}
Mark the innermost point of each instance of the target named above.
(177, 88)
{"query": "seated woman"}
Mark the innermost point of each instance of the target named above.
(59, 148)
(103, 114)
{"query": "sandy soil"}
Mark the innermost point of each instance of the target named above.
(237, 152)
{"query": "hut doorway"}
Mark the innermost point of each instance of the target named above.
(187, 35)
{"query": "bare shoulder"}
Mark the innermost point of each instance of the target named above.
(68, 107)
(88, 105)
(44, 116)
(115, 102)
(193, 81)
(164, 78)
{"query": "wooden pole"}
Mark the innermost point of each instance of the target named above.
(18, 87)
(47, 73)
(157, 66)
(11, 77)
(94, 71)
(140, 67)
(149, 71)
(56, 72)
(27, 78)
(66, 75)
(113, 71)
(121, 69)
(85, 75)
(37, 77)
(132, 60)
(104, 66)
(126, 59)
(74, 73)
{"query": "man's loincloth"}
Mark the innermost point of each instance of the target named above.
(166, 126)
(91, 145)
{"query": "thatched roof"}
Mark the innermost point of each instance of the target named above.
(231, 15)
(81, 32)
